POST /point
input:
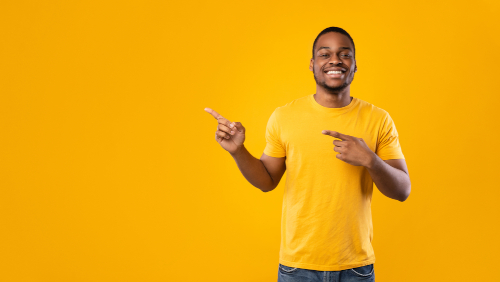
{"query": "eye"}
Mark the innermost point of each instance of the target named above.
(345, 55)
(324, 55)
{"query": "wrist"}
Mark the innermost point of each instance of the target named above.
(371, 160)
(238, 151)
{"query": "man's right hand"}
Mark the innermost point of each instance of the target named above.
(230, 135)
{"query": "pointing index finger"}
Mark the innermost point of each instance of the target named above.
(213, 113)
(336, 134)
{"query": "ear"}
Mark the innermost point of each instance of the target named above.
(355, 68)
(311, 65)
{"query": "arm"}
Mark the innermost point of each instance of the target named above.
(265, 173)
(391, 177)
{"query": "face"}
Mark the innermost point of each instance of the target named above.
(333, 52)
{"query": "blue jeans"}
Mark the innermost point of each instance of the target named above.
(293, 274)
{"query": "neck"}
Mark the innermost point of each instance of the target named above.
(333, 100)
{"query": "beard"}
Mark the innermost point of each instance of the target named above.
(333, 90)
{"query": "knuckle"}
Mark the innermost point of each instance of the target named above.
(239, 126)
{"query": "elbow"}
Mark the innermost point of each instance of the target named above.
(402, 199)
(405, 195)
(269, 189)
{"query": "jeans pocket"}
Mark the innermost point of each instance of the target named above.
(287, 269)
(363, 271)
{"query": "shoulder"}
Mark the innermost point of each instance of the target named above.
(292, 106)
(374, 111)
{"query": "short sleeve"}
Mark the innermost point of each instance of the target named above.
(274, 146)
(388, 146)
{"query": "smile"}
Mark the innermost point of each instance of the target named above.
(335, 74)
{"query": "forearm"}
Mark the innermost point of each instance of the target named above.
(392, 182)
(253, 170)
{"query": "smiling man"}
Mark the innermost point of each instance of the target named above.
(333, 147)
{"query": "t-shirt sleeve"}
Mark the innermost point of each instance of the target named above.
(274, 146)
(388, 146)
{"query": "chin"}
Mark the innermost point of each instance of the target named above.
(336, 85)
(335, 88)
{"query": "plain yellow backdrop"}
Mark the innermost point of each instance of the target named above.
(109, 169)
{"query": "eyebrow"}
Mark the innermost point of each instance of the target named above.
(341, 48)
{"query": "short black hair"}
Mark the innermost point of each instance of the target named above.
(334, 29)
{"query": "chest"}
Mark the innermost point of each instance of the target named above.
(301, 134)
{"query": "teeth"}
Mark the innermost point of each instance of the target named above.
(334, 72)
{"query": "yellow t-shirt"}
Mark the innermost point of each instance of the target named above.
(326, 222)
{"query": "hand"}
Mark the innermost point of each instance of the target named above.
(352, 150)
(230, 135)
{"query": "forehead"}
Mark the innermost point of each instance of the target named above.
(334, 40)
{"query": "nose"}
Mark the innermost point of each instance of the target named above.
(335, 60)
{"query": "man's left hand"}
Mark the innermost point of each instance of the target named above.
(351, 150)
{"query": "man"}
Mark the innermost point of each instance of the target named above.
(326, 222)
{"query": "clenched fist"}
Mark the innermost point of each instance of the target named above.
(230, 135)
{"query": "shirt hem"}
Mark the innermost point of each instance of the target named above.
(325, 267)
(274, 155)
(391, 157)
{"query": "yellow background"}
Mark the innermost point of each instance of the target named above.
(109, 169)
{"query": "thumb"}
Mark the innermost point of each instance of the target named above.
(239, 127)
